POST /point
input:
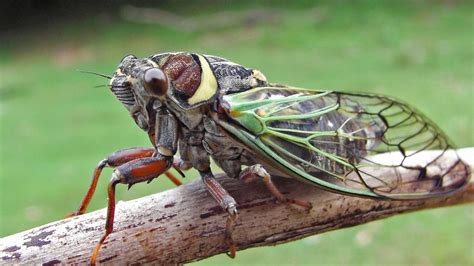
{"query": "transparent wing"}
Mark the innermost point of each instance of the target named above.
(361, 144)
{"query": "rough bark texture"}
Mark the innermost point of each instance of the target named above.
(185, 224)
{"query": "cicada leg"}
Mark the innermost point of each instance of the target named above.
(135, 171)
(180, 166)
(227, 202)
(257, 171)
(116, 159)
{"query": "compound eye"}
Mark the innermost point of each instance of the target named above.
(155, 82)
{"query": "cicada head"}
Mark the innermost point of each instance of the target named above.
(127, 84)
(184, 80)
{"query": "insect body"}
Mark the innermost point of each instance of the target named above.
(206, 107)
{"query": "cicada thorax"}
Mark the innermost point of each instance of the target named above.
(199, 79)
(184, 72)
(193, 82)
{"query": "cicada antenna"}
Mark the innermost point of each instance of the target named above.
(94, 73)
(101, 86)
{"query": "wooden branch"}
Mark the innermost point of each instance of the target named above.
(185, 224)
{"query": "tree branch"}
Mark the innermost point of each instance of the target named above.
(185, 224)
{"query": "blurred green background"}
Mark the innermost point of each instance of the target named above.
(55, 125)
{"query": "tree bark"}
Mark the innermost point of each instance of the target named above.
(185, 224)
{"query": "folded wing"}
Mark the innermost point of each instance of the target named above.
(361, 144)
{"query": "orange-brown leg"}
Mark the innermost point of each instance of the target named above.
(257, 171)
(109, 225)
(116, 159)
(138, 170)
(229, 228)
(173, 178)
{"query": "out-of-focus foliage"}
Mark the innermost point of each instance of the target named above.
(55, 125)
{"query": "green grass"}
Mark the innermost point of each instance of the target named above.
(54, 126)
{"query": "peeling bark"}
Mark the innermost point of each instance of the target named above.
(185, 224)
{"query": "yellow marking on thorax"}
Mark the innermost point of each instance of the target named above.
(259, 75)
(152, 63)
(208, 86)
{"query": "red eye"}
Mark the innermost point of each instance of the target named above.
(155, 82)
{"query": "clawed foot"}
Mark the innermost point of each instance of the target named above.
(257, 171)
(300, 203)
(74, 214)
(230, 223)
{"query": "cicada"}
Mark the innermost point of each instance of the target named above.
(204, 107)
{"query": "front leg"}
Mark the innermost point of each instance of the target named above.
(138, 170)
(143, 169)
(116, 159)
